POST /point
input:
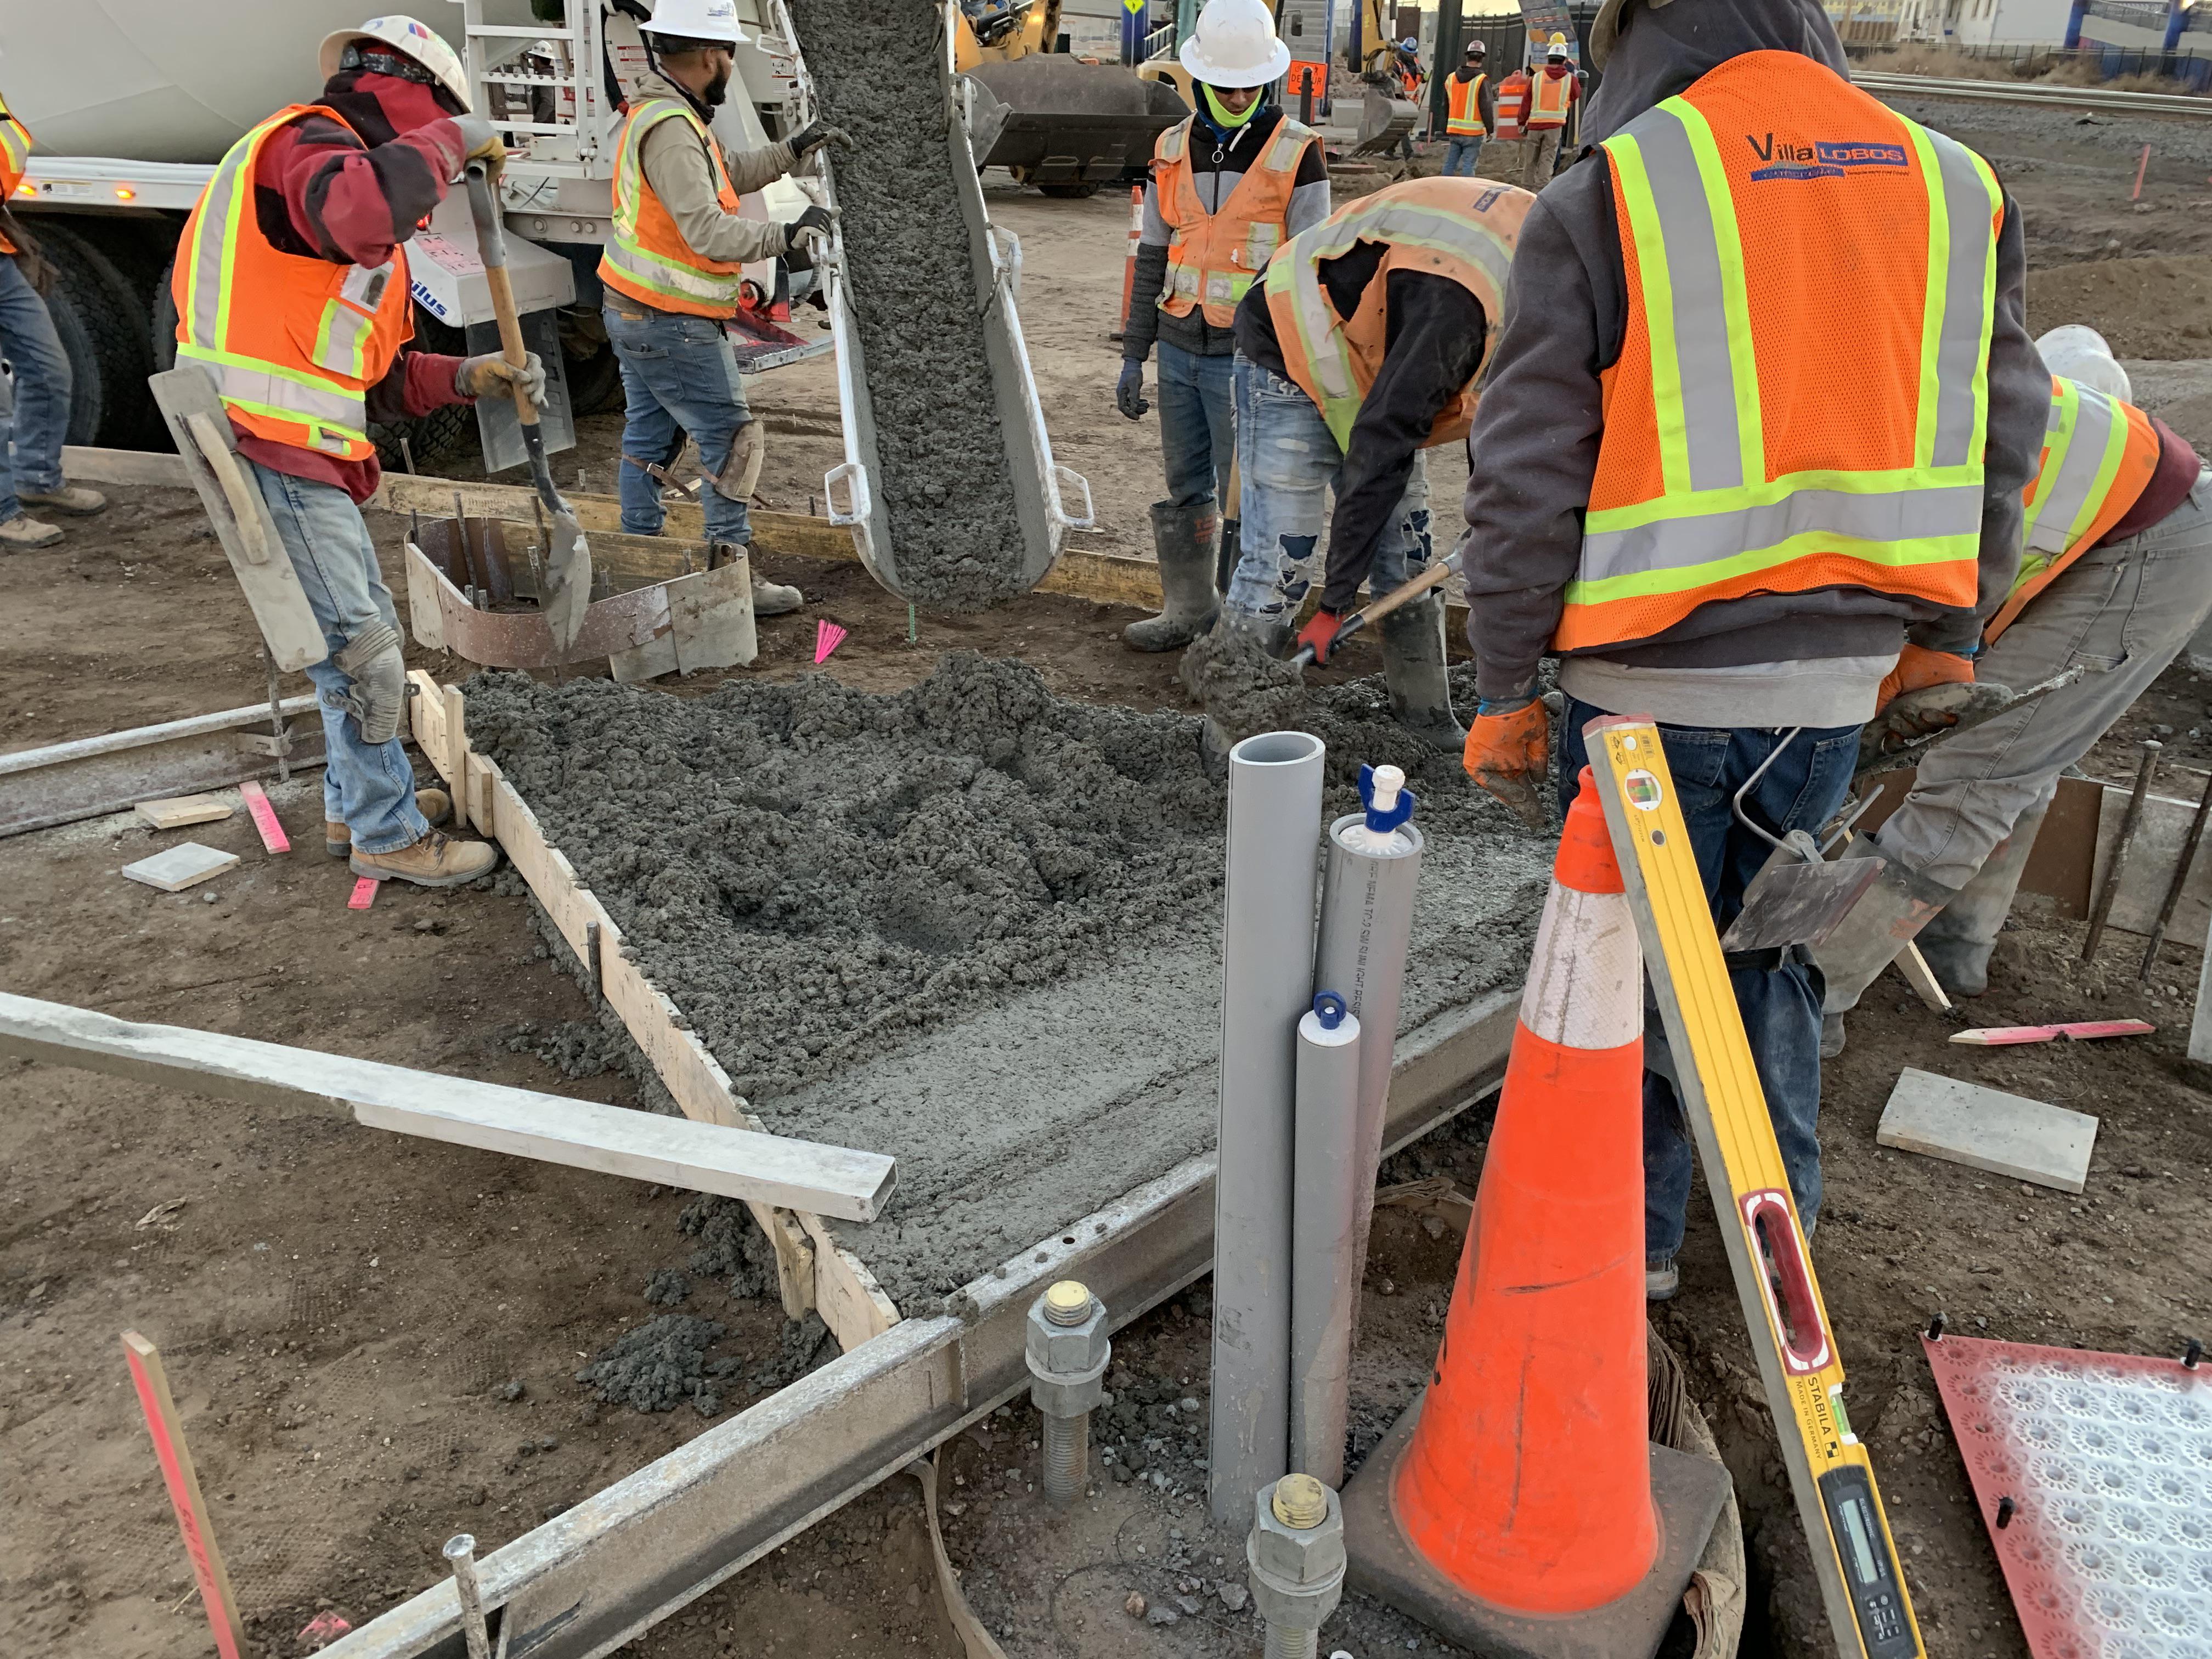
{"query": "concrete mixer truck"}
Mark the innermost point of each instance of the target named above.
(132, 102)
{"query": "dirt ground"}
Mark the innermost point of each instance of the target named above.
(374, 1340)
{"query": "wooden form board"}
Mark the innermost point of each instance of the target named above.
(1987, 1129)
(584, 1135)
(813, 1272)
(151, 1380)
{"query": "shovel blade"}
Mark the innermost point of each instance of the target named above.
(1790, 902)
(568, 580)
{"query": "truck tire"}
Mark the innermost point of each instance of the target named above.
(105, 329)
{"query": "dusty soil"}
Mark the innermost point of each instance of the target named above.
(403, 1286)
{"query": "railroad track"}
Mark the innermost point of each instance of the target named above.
(2102, 99)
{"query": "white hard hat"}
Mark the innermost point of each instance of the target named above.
(1234, 46)
(696, 19)
(2080, 353)
(409, 39)
(1558, 47)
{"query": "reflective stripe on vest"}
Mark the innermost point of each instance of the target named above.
(1460, 228)
(15, 150)
(2098, 454)
(1548, 97)
(670, 275)
(1463, 107)
(1211, 263)
(1720, 526)
(358, 326)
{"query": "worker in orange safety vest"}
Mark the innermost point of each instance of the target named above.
(1468, 105)
(1553, 92)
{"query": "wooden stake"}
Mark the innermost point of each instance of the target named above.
(177, 1473)
(2142, 168)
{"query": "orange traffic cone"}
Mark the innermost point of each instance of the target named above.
(1527, 1482)
(1129, 264)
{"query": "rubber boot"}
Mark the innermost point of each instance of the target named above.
(1214, 738)
(1183, 537)
(1958, 943)
(1413, 668)
(1871, 934)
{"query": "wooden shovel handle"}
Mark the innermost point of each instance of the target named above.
(491, 246)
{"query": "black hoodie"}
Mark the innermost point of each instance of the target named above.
(1535, 445)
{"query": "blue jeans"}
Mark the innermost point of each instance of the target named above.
(1461, 155)
(368, 787)
(678, 376)
(39, 420)
(1780, 1003)
(1289, 462)
(1198, 428)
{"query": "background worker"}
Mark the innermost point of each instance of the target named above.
(673, 269)
(1406, 82)
(36, 420)
(1466, 113)
(1718, 509)
(291, 291)
(1230, 185)
(1361, 350)
(1553, 92)
(2117, 576)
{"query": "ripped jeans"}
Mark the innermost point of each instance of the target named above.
(1289, 462)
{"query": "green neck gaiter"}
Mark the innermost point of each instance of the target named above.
(1221, 117)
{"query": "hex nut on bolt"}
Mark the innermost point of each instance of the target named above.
(1068, 1353)
(1296, 1552)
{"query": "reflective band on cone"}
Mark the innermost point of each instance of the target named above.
(1527, 1480)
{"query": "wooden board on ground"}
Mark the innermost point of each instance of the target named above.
(1987, 1129)
(166, 1429)
(175, 868)
(733, 1161)
(177, 811)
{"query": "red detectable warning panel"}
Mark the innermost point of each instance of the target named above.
(2094, 1473)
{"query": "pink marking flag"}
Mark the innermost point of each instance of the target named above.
(364, 894)
(828, 636)
(265, 816)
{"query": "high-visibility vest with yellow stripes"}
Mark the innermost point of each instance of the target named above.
(1549, 95)
(1463, 107)
(2098, 455)
(1802, 388)
(15, 157)
(293, 342)
(1464, 229)
(648, 258)
(1213, 258)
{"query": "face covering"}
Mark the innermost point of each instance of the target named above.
(1222, 117)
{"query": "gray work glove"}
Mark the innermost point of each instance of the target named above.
(1129, 391)
(814, 135)
(480, 144)
(813, 225)
(490, 375)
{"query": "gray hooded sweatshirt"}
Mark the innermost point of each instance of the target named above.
(1772, 659)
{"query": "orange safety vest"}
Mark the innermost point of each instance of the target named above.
(293, 342)
(1751, 443)
(1463, 107)
(15, 156)
(1213, 258)
(1549, 95)
(1461, 228)
(647, 258)
(1511, 108)
(2098, 455)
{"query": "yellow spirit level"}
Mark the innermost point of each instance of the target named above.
(1868, 1609)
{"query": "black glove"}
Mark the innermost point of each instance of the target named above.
(815, 222)
(1129, 391)
(815, 134)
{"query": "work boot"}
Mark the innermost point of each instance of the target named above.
(1234, 634)
(772, 599)
(1662, 1279)
(70, 498)
(437, 860)
(23, 533)
(432, 804)
(1413, 668)
(1870, 936)
(1957, 944)
(1183, 539)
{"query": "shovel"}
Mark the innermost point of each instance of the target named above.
(1434, 576)
(568, 587)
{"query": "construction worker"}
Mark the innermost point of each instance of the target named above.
(1406, 82)
(1230, 185)
(1467, 112)
(36, 419)
(1716, 507)
(1553, 95)
(673, 269)
(291, 290)
(1361, 350)
(2116, 576)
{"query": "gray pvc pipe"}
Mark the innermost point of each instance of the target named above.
(1267, 982)
(1325, 1255)
(1366, 927)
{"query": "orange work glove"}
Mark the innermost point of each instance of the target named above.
(1919, 668)
(1510, 754)
(1320, 633)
